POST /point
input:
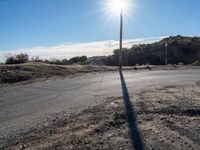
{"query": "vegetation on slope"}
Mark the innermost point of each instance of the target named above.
(181, 49)
(185, 50)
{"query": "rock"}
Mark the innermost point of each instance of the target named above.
(98, 130)
(86, 142)
(21, 147)
(87, 145)
(71, 147)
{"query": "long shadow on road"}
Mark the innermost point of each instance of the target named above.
(136, 139)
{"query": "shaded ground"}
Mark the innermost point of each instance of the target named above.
(163, 117)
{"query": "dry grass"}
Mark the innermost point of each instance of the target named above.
(36, 70)
(30, 71)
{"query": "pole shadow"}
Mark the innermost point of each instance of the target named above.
(136, 139)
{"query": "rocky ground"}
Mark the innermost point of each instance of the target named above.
(157, 118)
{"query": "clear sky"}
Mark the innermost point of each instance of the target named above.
(32, 23)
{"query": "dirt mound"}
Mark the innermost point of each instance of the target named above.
(27, 71)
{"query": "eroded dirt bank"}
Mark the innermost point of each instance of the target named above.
(161, 118)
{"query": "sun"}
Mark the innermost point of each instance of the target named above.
(113, 8)
(116, 6)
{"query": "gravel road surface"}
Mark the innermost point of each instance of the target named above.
(23, 107)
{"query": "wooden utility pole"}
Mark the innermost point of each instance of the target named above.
(121, 38)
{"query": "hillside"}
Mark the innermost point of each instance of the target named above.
(181, 49)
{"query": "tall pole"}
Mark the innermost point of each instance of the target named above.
(166, 53)
(121, 38)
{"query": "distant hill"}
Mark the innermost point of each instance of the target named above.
(181, 49)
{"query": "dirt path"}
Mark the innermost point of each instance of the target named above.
(162, 118)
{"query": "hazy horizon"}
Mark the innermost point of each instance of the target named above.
(69, 50)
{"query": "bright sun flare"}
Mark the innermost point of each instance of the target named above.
(118, 5)
(114, 7)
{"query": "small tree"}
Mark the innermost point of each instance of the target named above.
(65, 62)
(36, 59)
(74, 60)
(83, 59)
(17, 59)
(22, 58)
(78, 60)
(11, 59)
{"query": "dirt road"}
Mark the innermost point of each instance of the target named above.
(26, 107)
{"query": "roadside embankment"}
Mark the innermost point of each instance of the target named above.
(34, 71)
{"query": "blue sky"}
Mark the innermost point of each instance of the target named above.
(33, 23)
